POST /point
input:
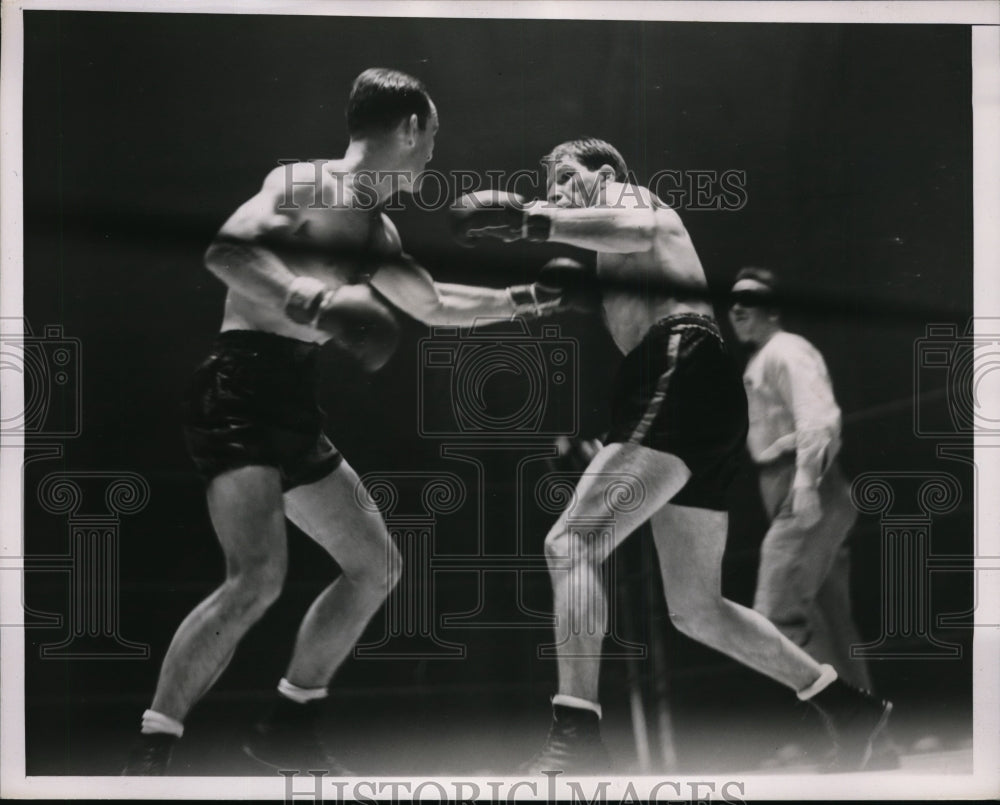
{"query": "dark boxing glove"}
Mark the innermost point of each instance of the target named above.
(576, 282)
(352, 315)
(564, 285)
(495, 214)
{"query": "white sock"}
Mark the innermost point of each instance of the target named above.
(153, 722)
(300, 695)
(827, 675)
(575, 701)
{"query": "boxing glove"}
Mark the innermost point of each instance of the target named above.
(564, 285)
(352, 315)
(576, 282)
(496, 214)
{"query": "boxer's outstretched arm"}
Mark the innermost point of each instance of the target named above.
(409, 287)
(463, 305)
(628, 219)
(623, 219)
(639, 224)
(603, 229)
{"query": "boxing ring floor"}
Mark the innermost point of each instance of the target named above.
(476, 730)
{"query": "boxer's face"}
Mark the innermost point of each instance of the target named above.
(569, 183)
(751, 322)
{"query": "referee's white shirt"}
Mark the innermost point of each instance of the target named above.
(792, 407)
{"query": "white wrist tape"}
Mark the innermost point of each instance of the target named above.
(524, 300)
(303, 300)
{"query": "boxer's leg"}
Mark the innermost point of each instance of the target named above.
(289, 736)
(621, 487)
(690, 543)
(575, 556)
(245, 506)
(328, 512)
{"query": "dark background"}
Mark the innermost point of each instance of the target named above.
(142, 132)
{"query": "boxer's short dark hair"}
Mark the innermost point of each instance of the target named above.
(591, 153)
(381, 98)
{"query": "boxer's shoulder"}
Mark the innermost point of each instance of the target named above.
(319, 185)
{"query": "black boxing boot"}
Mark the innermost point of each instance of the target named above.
(150, 755)
(574, 745)
(853, 718)
(288, 738)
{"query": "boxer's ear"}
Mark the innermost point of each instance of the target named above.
(409, 127)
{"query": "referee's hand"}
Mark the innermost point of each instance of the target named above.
(806, 507)
(575, 454)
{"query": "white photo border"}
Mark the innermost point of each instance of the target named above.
(984, 17)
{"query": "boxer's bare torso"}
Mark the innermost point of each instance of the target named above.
(318, 221)
(637, 291)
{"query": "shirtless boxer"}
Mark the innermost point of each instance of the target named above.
(309, 259)
(679, 422)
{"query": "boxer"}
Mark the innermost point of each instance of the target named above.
(679, 423)
(309, 260)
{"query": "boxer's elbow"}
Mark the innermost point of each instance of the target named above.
(234, 261)
(667, 224)
(220, 257)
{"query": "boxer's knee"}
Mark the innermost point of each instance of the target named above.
(249, 591)
(564, 546)
(378, 569)
(568, 548)
(392, 569)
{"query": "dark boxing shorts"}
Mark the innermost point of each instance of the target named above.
(680, 391)
(253, 401)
